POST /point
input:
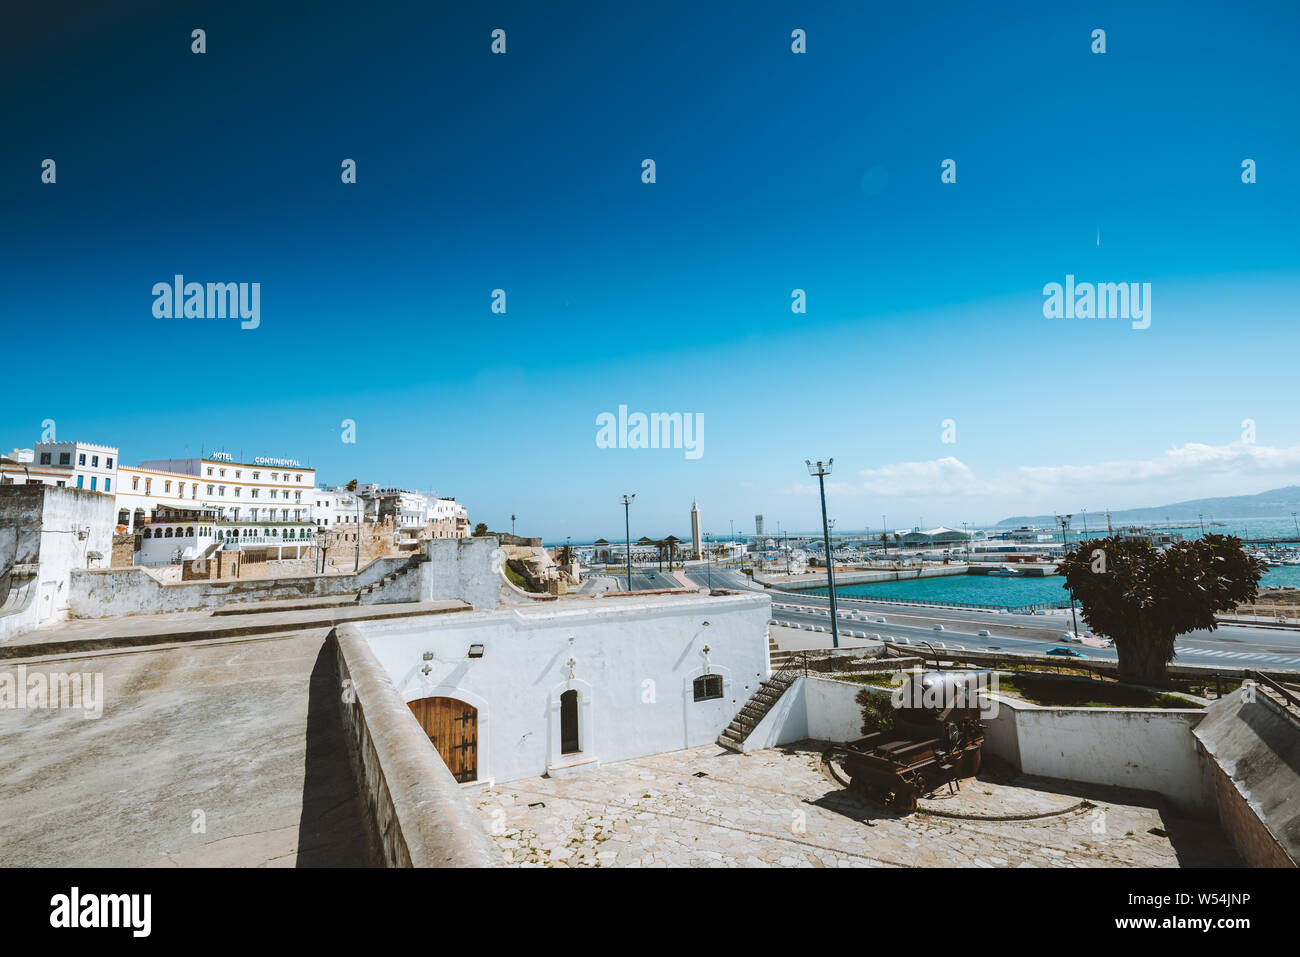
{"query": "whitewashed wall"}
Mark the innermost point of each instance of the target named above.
(1150, 749)
(635, 664)
(1147, 749)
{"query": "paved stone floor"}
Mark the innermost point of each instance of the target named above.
(706, 807)
(214, 754)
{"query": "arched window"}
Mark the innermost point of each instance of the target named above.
(190, 531)
(708, 687)
(168, 533)
(146, 534)
(569, 723)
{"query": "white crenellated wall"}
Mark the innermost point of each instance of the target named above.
(634, 665)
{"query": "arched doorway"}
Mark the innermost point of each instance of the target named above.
(569, 723)
(452, 726)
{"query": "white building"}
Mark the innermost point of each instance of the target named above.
(174, 533)
(546, 689)
(410, 510)
(80, 465)
(450, 519)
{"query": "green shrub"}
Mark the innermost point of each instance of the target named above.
(877, 711)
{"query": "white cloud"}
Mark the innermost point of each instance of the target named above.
(1187, 471)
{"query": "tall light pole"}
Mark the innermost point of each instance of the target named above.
(1065, 523)
(627, 524)
(512, 524)
(708, 540)
(821, 470)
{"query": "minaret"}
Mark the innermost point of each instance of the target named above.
(696, 551)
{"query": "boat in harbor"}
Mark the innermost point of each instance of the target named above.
(1005, 572)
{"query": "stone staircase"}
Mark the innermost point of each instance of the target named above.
(373, 593)
(752, 712)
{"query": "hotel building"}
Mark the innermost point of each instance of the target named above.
(263, 504)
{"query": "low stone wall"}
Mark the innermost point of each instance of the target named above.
(415, 809)
(457, 569)
(1150, 749)
(1253, 749)
(133, 591)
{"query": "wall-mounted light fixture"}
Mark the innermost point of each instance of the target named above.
(476, 651)
(428, 656)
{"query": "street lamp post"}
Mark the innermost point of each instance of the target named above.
(627, 524)
(1065, 523)
(708, 541)
(821, 470)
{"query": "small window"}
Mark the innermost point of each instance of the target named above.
(108, 463)
(45, 458)
(708, 687)
(65, 458)
(94, 461)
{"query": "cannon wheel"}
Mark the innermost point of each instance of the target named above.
(970, 763)
(905, 800)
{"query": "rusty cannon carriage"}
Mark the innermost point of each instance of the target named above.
(935, 740)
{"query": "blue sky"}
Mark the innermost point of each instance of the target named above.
(775, 171)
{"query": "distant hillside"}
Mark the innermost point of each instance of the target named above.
(1275, 503)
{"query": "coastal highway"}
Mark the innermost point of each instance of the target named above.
(1231, 646)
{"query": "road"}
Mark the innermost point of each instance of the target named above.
(1232, 646)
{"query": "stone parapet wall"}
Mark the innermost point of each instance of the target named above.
(416, 811)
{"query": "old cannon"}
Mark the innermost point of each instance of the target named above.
(935, 739)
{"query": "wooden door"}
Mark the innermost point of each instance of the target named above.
(452, 726)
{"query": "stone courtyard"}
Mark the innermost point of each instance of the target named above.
(705, 807)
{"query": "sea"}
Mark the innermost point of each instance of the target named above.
(1001, 592)
(1020, 592)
